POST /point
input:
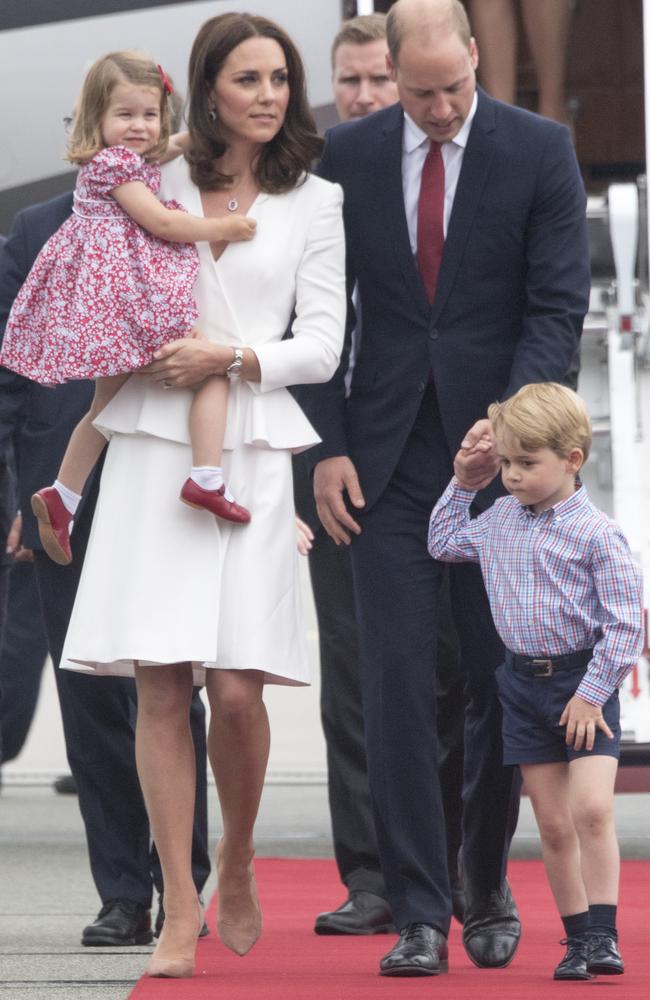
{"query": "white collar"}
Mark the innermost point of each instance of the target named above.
(415, 137)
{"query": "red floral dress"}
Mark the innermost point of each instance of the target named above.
(103, 293)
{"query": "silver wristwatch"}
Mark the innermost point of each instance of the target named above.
(236, 365)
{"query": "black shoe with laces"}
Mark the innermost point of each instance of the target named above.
(491, 927)
(119, 922)
(574, 963)
(603, 956)
(420, 951)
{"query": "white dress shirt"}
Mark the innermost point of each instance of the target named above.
(415, 146)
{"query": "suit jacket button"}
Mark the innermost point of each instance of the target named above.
(422, 386)
(433, 335)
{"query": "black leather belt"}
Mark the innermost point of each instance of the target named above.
(546, 666)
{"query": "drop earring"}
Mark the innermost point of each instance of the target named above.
(212, 114)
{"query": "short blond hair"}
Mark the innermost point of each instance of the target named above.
(544, 415)
(359, 30)
(101, 79)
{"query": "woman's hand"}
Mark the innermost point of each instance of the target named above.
(304, 537)
(187, 362)
(14, 546)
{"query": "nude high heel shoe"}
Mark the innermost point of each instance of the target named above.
(161, 967)
(239, 918)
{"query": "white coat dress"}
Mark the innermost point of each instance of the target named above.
(163, 582)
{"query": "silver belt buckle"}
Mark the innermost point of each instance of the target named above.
(542, 667)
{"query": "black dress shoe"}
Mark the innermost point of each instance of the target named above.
(420, 951)
(574, 963)
(603, 956)
(119, 922)
(361, 913)
(65, 785)
(491, 928)
(160, 919)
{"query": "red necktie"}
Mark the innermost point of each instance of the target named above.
(431, 209)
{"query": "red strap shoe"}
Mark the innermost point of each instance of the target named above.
(54, 522)
(215, 502)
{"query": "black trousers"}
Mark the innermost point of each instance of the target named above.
(398, 588)
(22, 656)
(99, 716)
(353, 828)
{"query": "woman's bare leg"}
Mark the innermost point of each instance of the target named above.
(208, 421)
(86, 443)
(238, 748)
(167, 771)
(495, 26)
(547, 30)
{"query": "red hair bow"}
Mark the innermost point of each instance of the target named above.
(166, 82)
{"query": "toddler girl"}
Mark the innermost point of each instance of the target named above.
(114, 284)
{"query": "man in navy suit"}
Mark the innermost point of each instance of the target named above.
(98, 713)
(466, 237)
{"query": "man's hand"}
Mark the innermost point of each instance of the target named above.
(581, 720)
(476, 463)
(14, 545)
(332, 478)
(187, 362)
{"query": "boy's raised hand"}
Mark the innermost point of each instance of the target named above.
(581, 719)
(476, 463)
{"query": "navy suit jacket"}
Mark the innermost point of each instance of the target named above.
(38, 419)
(512, 291)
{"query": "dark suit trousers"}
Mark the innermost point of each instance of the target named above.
(98, 716)
(397, 587)
(22, 657)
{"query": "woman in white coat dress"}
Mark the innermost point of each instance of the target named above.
(169, 593)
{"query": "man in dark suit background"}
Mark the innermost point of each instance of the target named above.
(466, 236)
(98, 714)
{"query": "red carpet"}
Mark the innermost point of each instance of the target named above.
(291, 963)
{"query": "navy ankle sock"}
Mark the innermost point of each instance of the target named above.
(576, 924)
(602, 917)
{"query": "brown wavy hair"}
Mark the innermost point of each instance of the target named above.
(101, 79)
(283, 161)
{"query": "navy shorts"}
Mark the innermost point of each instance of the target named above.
(532, 707)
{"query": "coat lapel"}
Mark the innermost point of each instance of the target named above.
(391, 197)
(477, 159)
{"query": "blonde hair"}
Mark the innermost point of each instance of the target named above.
(544, 415)
(359, 30)
(444, 18)
(101, 79)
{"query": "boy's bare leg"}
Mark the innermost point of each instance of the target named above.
(208, 421)
(591, 784)
(86, 443)
(547, 30)
(549, 788)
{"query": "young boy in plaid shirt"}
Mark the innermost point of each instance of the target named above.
(566, 598)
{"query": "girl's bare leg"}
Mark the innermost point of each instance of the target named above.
(238, 748)
(547, 30)
(495, 26)
(591, 781)
(208, 421)
(166, 768)
(86, 443)
(549, 788)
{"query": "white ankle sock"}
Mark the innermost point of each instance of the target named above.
(210, 477)
(71, 500)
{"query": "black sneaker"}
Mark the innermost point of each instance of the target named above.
(603, 956)
(574, 963)
(119, 922)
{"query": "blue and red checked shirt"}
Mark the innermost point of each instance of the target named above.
(558, 581)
